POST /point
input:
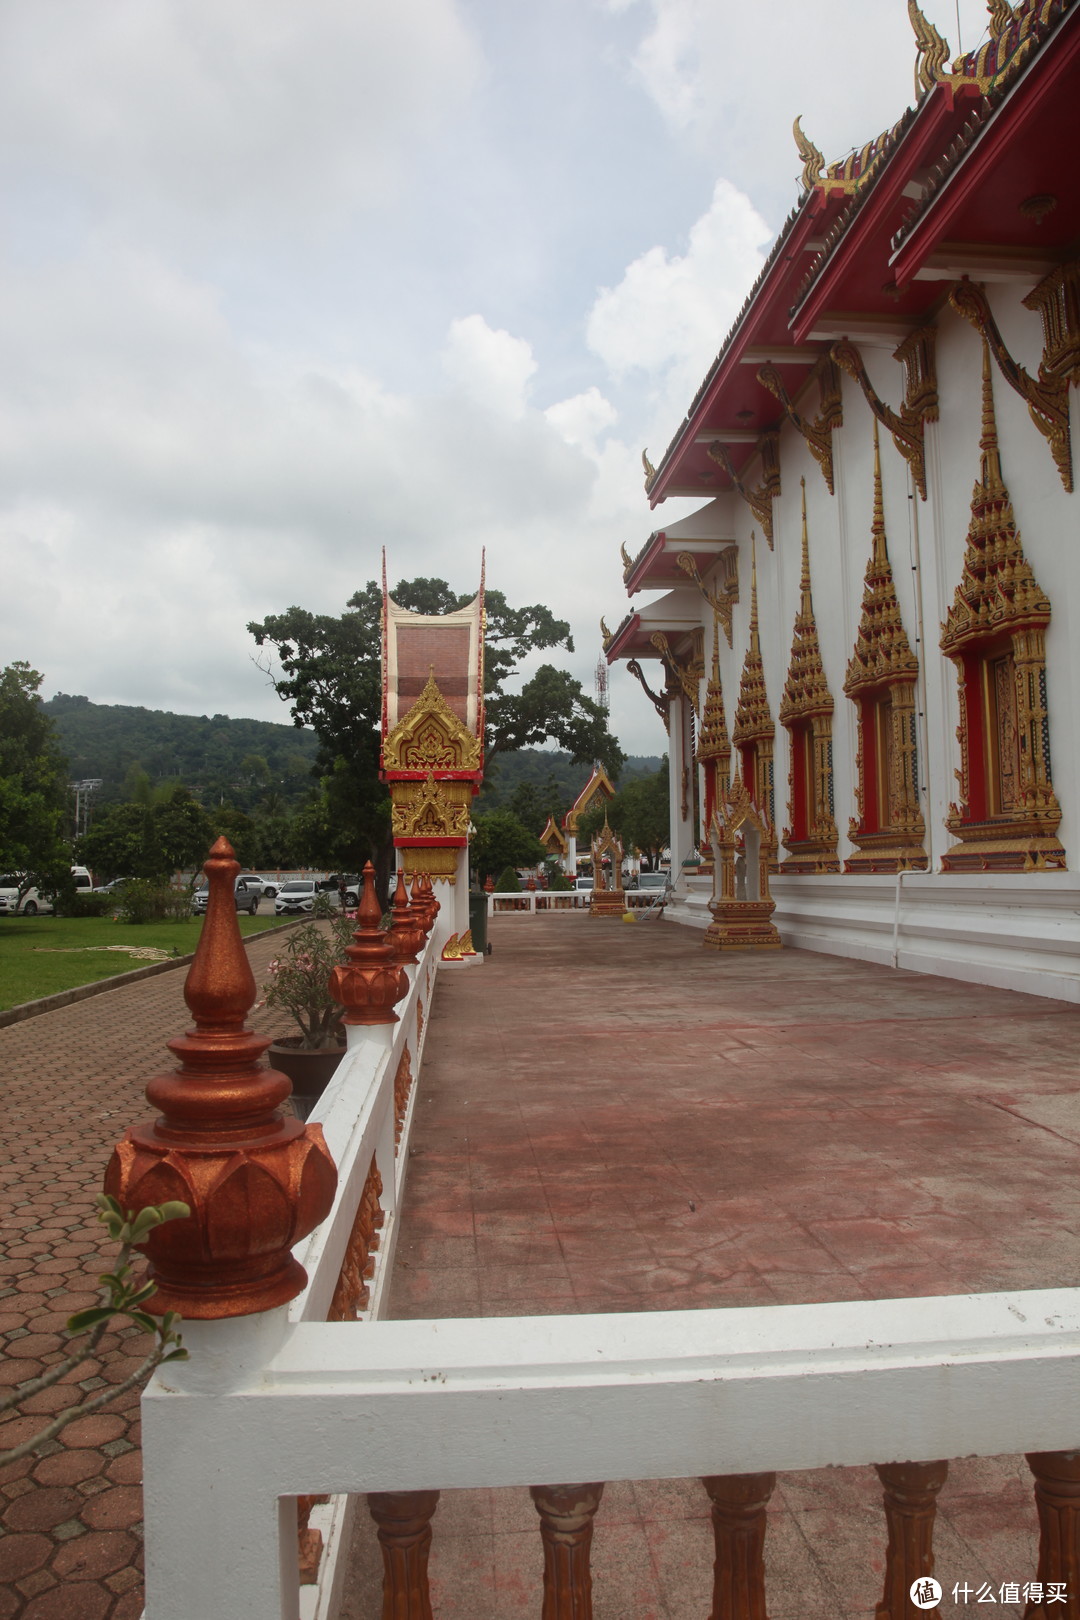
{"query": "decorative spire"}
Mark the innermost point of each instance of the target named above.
(256, 1182)
(882, 650)
(370, 980)
(407, 934)
(998, 590)
(992, 481)
(714, 742)
(806, 691)
(650, 470)
(753, 718)
(813, 159)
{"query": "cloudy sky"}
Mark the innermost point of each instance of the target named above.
(285, 281)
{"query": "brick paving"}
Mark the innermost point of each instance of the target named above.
(73, 1079)
(610, 1118)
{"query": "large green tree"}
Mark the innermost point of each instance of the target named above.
(329, 669)
(148, 840)
(34, 791)
(502, 841)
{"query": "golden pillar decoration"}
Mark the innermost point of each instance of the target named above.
(1008, 814)
(917, 354)
(753, 732)
(881, 677)
(806, 710)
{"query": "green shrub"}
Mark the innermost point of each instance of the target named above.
(84, 904)
(559, 882)
(508, 882)
(143, 901)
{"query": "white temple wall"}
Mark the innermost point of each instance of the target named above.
(1016, 931)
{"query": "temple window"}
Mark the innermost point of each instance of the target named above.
(889, 830)
(753, 733)
(806, 713)
(1008, 815)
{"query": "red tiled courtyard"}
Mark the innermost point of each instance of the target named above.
(612, 1119)
(608, 1119)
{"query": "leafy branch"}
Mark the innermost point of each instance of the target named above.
(122, 1296)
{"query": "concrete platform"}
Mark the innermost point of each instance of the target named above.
(612, 1119)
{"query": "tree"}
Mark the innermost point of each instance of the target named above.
(330, 672)
(149, 840)
(502, 841)
(34, 791)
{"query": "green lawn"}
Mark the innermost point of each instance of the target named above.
(42, 955)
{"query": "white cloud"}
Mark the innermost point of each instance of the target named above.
(491, 368)
(730, 78)
(668, 315)
(581, 420)
(228, 112)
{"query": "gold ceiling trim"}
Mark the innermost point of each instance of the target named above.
(917, 355)
(1046, 396)
(758, 500)
(818, 434)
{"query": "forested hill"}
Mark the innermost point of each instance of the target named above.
(518, 778)
(209, 753)
(219, 758)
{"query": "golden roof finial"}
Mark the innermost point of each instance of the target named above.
(992, 480)
(627, 560)
(804, 582)
(932, 54)
(650, 470)
(1001, 15)
(605, 633)
(813, 159)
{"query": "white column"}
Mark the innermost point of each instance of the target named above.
(682, 831)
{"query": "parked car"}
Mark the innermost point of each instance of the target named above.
(247, 893)
(583, 883)
(653, 880)
(298, 894)
(113, 888)
(270, 886)
(26, 905)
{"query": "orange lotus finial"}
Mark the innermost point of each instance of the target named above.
(256, 1182)
(371, 980)
(406, 931)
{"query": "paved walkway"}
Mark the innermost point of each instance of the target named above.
(610, 1118)
(73, 1081)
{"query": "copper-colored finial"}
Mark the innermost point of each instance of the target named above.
(427, 889)
(256, 1182)
(420, 904)
(371, 980)
(406, 930)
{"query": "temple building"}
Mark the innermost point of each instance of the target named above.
(560, 839)
(887, 559)
(432, 756)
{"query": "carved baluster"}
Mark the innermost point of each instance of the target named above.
(566, 1516)
(404, 1521)
(1057, 1497)
(739, 1503)
(910, 1505)
(310, 1542)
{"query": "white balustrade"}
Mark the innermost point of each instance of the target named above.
(409, 1406)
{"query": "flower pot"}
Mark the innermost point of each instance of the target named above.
(310, 1071)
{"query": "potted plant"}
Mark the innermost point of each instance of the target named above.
(299, 985)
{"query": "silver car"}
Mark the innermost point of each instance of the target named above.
(296, 895)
